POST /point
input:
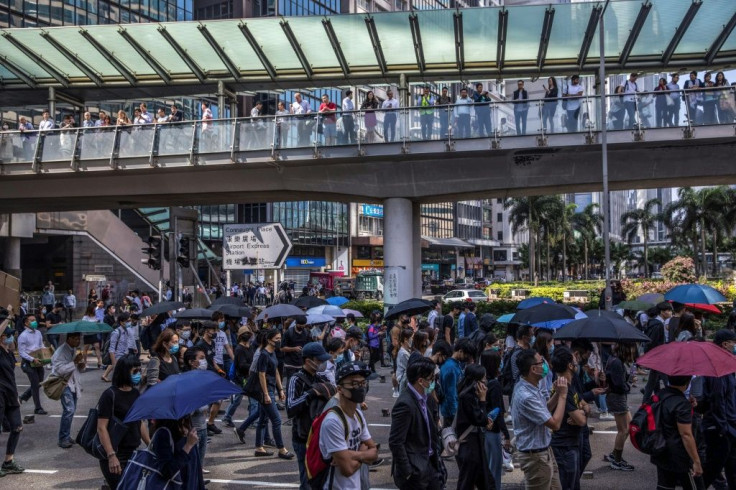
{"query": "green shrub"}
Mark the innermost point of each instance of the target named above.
(679, 269)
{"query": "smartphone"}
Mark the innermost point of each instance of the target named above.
(494, 413)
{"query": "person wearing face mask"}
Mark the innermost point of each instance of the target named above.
(194, 359)
(348, 455)
(270, 382)
(402, 359)
(414, 439)
(207, 344)
(222, 359)
(295, 338)
(490, 359)
(117, 401)
(29, 341)
(304, 388)
(534, 418)
(134, 334)
(450, 374)
(119, 342)
(68, 364)
(164, 358)
(617, 378)
(243, 360)
(9, 406)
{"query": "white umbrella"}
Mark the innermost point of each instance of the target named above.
(333, 311)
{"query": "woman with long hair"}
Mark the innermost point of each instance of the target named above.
(710, 100)
(369, 106)
(193, 359)
(177, 458)
(686, 328)
(471, 419)
(725, 99)
(617, 378)
(164, 357)
(491, 361)
(551, 99)
(662, 103)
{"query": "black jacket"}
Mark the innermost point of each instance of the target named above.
(409, 441)
(299, 400)
(655, 331)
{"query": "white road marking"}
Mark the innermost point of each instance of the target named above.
(379, 425)
(268, 484)
(43, 472)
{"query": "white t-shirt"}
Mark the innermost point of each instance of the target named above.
(332, 440)
(574, 90)
(220, 343)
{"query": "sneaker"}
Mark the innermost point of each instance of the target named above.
(228, 423)
(621, 466)
(239, 435)
(40, 411)
(213, 429)
(66, 444)
(377, 463)
(605, 416)
(396, 393)
(269, 443)
(608, 458)
(12, 468)
(288, 422)
(280, 406)
(509, 467)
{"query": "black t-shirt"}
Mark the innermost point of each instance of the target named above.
(267, 363)
(448, 322)
(53, 318)
(568, 435)
(209, 352)
(8, 389)
(675, 409)
(123, 400)
(292, 338)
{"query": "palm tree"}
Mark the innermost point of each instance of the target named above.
(521, 217)
(588, 224)
(619, 254)
(641, 219)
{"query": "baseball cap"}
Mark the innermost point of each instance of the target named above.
(724, 335)
(351, 368)
(315, 350)
(354, 333)
(242, 330)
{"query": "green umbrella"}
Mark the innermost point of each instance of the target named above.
(634, 305)
(80, 327)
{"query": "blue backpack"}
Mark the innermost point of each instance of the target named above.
(143, 471)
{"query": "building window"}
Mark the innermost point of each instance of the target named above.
(499, 217)
(499, 236)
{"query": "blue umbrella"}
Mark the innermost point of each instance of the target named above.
(337, 300)
(179, 395)
(555, 324)
(695, 293)
(505, 318)
(536, 300)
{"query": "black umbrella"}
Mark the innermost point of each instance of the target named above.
(281, 310)
(231, 310)
(228, 300)
(544, 312)
(195, 313)
(601, 328)
(411, 307)
(162, 307)
(307, 301)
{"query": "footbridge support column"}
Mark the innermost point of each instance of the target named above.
(399, 250)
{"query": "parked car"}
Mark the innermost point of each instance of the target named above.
(472, 295)
(438, 287)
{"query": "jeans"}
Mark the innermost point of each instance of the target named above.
(483, 116)
(300, 450)
(495, 456)
(568, 465)
(463, 126)
(602, 403)
(35, 376)
(389, 127)
(444, 123)
(720, 455)
(585, 452)
(202, 445)
(520, 121)
(270, 412)
(348, 124)
(630, 107)
(426, 121)
(234, 404)
(68, 407)
(675, 113)
(572, 120)
(548, 116)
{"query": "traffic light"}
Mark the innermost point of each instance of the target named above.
(154, 251)
(186, 253)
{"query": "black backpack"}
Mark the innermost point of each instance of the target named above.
(507, 378)
(645, 429)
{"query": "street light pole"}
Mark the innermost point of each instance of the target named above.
(608, 294)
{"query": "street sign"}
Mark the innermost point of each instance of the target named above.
(94, 278)
(254, 246)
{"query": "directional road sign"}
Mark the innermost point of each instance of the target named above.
(254, 246)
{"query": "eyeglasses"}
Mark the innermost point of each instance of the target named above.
(356, 384)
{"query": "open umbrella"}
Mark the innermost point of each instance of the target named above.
(610, 314)
(689, 359)
(695, 293)
(537, 300)
(505, 318)
(411, 307)
(80, 327)
(337, 300)
(316, 319)
(601, 328)
(162, 307)
(355, 313)
(231, 310)
(544, 312)
(228, 300)
(179, 395)
(634, 305)
(333, 311)
(308, 302)
(653, 298)
(195, 313)
(703, 307)
(280, 310)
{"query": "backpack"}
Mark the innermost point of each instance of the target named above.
(507, 377)
(478, 338)
(106, 348)
(318, 467)
(143, 470)
(645, 429)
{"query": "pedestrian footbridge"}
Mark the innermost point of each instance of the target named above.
(437, 154)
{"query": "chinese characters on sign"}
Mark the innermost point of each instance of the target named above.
(391, 288)
(255, 246)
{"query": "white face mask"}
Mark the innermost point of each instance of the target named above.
(202, 364)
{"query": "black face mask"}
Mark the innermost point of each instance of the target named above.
(357, 395)
(277, 345)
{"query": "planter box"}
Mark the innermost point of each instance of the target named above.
(520, 293)
(576, 296)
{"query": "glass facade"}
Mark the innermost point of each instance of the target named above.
(211, 219)
(319, 223)
(42, 13)
(301, 7)
(438, 220)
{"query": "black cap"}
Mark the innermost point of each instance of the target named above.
(724, 335)
(9, 331)
(354, 333)
(352, 368)
(315, 350)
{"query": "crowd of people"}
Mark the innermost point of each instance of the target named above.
(471, 112)
(461, 392)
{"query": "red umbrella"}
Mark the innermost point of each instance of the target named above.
(689, 359)
(704, 307)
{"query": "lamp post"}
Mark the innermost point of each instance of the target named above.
(608, 294)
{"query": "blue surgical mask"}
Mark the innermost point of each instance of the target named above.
(734, 349)
(135, 379)
(174, 349)
(186, 334)
(128, 324)
(10, 340)
(551, 349)
(534, 339)
(430, 388)
(221, 325)
(545, 369)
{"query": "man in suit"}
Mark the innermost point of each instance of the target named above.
(414, 440)
(521, 108)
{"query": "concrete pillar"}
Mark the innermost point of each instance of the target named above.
(52, 103)
(11, 259)
(397, 251)
(416, 243)
(220, 99)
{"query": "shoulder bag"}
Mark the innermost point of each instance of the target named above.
(89, 440)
